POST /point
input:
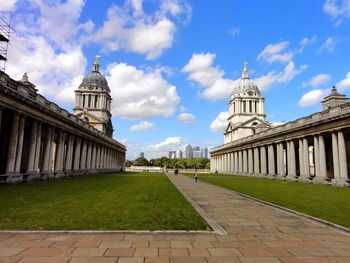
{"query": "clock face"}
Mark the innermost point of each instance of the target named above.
(90, 87)
(250, 93)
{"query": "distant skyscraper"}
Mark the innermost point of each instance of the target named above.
(179, 154)
(188, 151)
(172, 154)
(142, 155)
(197, 154)
(205, 153)
(196, 148)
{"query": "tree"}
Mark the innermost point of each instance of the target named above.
(141, 162)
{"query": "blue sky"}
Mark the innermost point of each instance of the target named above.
(171, 64)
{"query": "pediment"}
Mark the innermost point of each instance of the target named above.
(89, 116)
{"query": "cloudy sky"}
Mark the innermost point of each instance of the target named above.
(171, 64)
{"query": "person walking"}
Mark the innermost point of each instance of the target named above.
(195, 175)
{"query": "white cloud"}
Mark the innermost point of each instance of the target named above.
(200, 69)
(139, 94)
(58, 21)
(318, 80)
(306, 42)
(345, 83)
(7, 5)
(129, 28)
(179, 9)
(53, 72)
(142, 126)
(328, 45)
(221, 89)
(219, 124)
(186, 118)
(272, 78)
(276, 53)
(312, 97)
(234, 31)
(162, 148)
(337, 9)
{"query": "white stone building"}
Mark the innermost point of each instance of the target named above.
(93, 101)
(246, 110)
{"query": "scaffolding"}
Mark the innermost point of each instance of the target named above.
(5, 32)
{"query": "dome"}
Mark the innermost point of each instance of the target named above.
(245, 84)
(95, 78)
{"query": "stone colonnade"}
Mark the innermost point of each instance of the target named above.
(39, 140)
(33, 149)
(321, 157)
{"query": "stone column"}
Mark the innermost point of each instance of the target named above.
(102, 156)
(20, 144)
(322, 155)
(263, 160)
(291, 160)
(93, 159)
(250, 161)
(59, 154)
(98, 157)
(32, 147)
(89, 153)
(240, 168)
(83, 155)
(271, 157)
(256, 161)
(12, 149)
(245, 162)
(316, 157)
(335, 155)
(342, 156)
(38, 150)
(301, 158)
(343, 169)
(279, 155)
(306, 161)
(69, 158)
(105, 157)
(48, 150)
(235, 154)
(224, 162)
(76, 163)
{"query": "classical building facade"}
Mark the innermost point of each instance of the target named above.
(246, 110)
(315, 148)
(93, 101)
(40, 140)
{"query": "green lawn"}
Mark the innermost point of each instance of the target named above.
(326, 202)
(103, 202)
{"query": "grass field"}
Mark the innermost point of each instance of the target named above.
(326, 202)
(103, 202)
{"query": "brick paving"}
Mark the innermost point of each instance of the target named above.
(255, 233)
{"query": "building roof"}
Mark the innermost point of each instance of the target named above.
(95, 78)
(245, 84)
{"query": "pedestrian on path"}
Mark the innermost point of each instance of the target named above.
(195, 175)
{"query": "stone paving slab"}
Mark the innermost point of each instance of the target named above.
(255, 233)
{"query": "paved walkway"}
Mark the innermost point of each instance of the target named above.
(255, 233)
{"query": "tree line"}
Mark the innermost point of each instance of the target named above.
(183, 163)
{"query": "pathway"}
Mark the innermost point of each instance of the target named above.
(255, 233)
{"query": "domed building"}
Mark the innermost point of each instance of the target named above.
(246, 109)
(93, 101)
